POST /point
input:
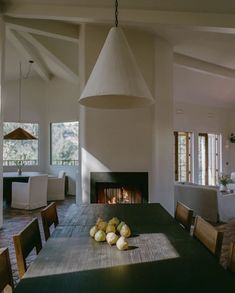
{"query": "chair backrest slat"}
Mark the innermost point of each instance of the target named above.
(49, 217)
(24, 242)
(184, 215)
(231, 257)
(5, 270)
(208, 235)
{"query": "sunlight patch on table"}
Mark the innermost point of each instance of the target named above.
(86, 254)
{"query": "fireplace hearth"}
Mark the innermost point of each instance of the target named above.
(119, 187)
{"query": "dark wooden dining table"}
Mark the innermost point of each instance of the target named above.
(162, 256)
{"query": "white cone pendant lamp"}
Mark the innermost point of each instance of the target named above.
(116, 81)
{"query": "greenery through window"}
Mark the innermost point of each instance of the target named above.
(20, 152)
(64, 143)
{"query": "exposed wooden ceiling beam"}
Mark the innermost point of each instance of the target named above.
(45, 51)
(49, 28)
(203, 66)
(29, 53)
(200, 21)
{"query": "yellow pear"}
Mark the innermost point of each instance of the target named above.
(93, 230)
(111, 238)
(120, 226)
(110, 228)
(100, 236)
(114, 221)
(102, 225)
(125, 231)
(122, 244)
(98, 221)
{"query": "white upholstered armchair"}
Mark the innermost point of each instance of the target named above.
(30, 195)
(56, 187)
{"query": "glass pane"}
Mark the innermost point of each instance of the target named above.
(64, 143)
(202, 160)
(214, 158)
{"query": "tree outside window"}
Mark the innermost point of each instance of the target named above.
(23, 152)
(64, 143)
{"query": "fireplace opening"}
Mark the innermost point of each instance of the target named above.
(112, 193)
(119, 187)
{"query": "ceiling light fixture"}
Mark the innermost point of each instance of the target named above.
(116, 81)
(20, 133)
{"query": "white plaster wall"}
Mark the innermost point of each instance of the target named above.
(203, 118)
(162, 141)
(33, 110)
(231, 146)
(43, 103)
(200, 118)
(61, 105)
(116, 140)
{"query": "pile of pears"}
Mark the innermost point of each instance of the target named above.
(113, 231)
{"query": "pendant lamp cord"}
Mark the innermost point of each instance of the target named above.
(116, 13)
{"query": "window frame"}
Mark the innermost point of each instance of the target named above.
(209, 157)
(188, 155)
(205, 135)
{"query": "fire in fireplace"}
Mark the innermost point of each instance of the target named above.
(113, 193)
(119, 187)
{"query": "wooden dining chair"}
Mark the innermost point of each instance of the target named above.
(231, 257)
(6, 279)
(24, 242)
(208, 235)
(49, 217)
(184, 215)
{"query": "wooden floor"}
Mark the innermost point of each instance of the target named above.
(16, 220)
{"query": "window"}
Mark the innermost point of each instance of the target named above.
(20, 151)
(64, 143)
(209, 158)
(183, 147)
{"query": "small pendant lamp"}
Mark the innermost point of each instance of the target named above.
(19, 133)
(116, 81)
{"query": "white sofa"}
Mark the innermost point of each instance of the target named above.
(226, 205)
(206, 201)
(202, 199)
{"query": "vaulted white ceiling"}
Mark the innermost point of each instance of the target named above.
(215, 6)
(203, 30)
